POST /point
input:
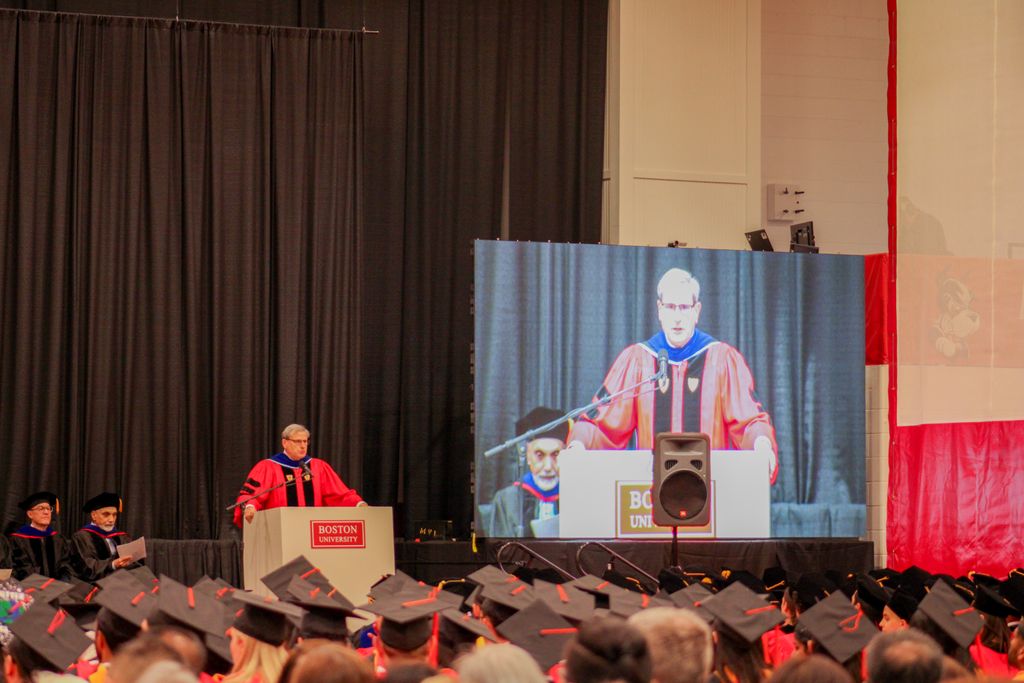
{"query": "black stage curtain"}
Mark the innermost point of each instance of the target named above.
(179, 271)
(202, 240)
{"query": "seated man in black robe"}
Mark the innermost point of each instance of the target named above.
(36, 547)
(96, 543)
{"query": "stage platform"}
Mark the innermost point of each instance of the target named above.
(432, 561)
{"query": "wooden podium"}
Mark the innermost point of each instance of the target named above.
(353, 546)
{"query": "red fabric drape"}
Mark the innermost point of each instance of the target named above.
(956, 497)
(876, 307)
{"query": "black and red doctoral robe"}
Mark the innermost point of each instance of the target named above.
(41, 552)
(96, 559)
(710, 390)
(323, 489)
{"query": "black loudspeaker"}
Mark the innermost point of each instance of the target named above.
(681, 495)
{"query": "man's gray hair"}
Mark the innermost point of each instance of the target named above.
(907, 656)
(293, 429)
(678, 276)
(679, 642)
(504, 663)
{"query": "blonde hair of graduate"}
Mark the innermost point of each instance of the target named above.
(257, 659)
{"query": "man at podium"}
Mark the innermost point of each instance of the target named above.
(300, 480)
(709, 387)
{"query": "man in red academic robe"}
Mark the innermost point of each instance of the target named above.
(709, 387)
(311, 482)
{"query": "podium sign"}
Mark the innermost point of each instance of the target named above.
(607, 494)
(352, 546)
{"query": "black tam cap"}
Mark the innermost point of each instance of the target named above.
(40, 497)
(264, 618)
(44, 589)
(743, 612)
(989, 601)
(538, 417)
(51, 634)
(951, 613)
(871, 596)
(838, 626)
(540, 631)
(103, 500)
(903, 604)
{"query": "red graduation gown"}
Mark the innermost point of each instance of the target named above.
(712, 390)
(325, 489)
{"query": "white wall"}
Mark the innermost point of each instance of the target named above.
(824, 118)
(684, 119)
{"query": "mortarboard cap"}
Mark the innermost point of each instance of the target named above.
(145, 576)
(277, 581)
(80, 603)
(596, 585)
(951, 613)
(743, 612)
(44, 589)
(51, 634)
(627, 604)
(982, 579)
(838, 626)
(196, 610)
(399, 582)
(264, 618)
(461, 628)
(325, 614)
(126, 598)
(538, 417)
(692, 598)
(40, 497)
(514, 595)
(407, 618)
(540, 631)
(567, 601)
(490, 574)
(103, 500)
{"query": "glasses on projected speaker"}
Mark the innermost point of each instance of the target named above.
(678, 308)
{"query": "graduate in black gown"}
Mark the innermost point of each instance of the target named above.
(96, 542)
(5, 553)
(36, 547)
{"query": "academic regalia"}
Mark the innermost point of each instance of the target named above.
(323, 489)
(993, 664)
(517, 505)
(41, 552)
(96, 557)
(710, 390)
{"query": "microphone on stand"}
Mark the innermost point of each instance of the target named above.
(663, 382)
(306, 469)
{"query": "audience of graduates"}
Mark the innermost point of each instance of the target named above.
(696, 626)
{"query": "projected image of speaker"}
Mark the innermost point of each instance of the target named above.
(681, 495)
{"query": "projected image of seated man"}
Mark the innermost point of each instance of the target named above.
(709, 388)
(534, 497)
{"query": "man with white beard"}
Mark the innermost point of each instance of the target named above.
(96, 543)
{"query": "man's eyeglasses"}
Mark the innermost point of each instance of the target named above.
(678, 308)
(299, 441)
(41, 508)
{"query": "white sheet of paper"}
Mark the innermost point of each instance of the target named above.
(137, 549)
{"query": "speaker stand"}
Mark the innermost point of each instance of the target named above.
(675, 549)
